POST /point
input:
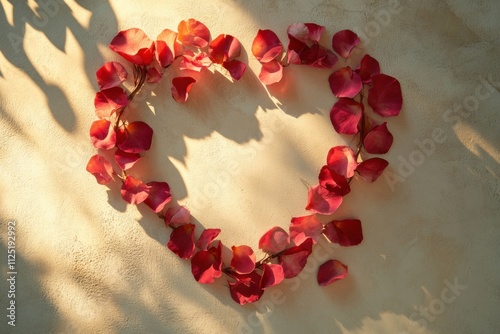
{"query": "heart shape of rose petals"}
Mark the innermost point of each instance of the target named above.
(192, 49)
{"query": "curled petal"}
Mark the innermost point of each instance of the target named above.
(126, 160)
(378, 140)
(371, 169)
(271, 72)
(368, 68)
(331, 271)
(159, 196)
(134, 191)
(181, 87)
(344, 41)
(303, 228)
(346, 232)
(101, 168)
(266, 46)
(243, 261)
(165, 47)
(274, 241)
(193, 33)
(272, 274)
(224, 48)
(305, 32)
(134, 45)
(111, 75)
(102, 134)
(135, 137)
(294, 259)
(333, 182)
(182, 241)
(246, 289)
(322, 201)
(342, 161)
(317, 56)
(194, 62)
(206, 265)
(109, 100)
(206, 237)
(153, 75)
(345, 83)
(235, 68)
(385, 96)
(345, 116)
(179, 215)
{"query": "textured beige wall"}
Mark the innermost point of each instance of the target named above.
(88, 263)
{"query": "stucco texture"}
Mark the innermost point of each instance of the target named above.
(239, 156)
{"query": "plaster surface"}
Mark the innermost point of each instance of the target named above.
(89, 263)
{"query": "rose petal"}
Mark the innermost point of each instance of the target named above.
(271, 72)
(342, 161)
(266, 46)
(159, 196)
(134, 45)
(224, 48)
(346, 232)
(206, 237)
(126, 160)
(274, 241)
(378, 140)
(111, 75)
(322, 201)
(153, 75)
(206, 265)
(235, 68)
(179, 215)
(368, 68)
(333, 182)
(385, 96)
(344, 41)
(182, 241)
(101, 168)
(134, 191)
(331, 271)
(102, 134)
(371, 169)
(303, 228)
(246, 289)
(193, 33)
(243, 261)
(294, 259)
(345, 83)
(135, 137)
(272, 274)
(165, 47)
(181, 87)
(345, 116)
(109, 100)
(194, 62)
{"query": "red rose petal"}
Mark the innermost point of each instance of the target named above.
(303, 228)
(126, 160)
(271, 72)
(179, 215)
(272, 274)
(181, 87)
(165, 47)
(111, 75)
(134, 191)
(274, 241)
(182, 241)
(206, 265)
(368, 68)
(385, 96)
(102, 134)
(135, 137)
(344, 41)
(317, 56)
(305, 32)
(235, 68)
(345, 116)
(243, 261)
(346, 232)
(153, 75)
(378, 140)
(371, 169)
(224, 48)
(246, 289)
(333, 182)
(331, 271)
(294, 259)
(345, 83)
(206, 237)
(342, 161)
(101, 168)
(133, 45)
(193, 33)
(109, 100)
(322, 201)
(194, 62)
(159, 196)
(266, 46)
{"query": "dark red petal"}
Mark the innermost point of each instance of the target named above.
(333, 182)
(178, 215)
(371, 169)
(368, 68)
(294, 259)
(181, 87)
(274, 241)
(194, 62)
(101, 168)
(317, 56)
(206, 265)
(182, 241)
(345, 116)
(344, 41)
(102, 134)
(299, 31)
(303, 228)
(165, 47)
(133, 45)
(206, 237)
(272, 274)
(235, 68)
(159, 196)
(315, 31)
(107, 101)
(246, 289)
(111, 75)
(243, 261)
(271, 72)
(378, 140)
(342, 161)
(266, 46)
(344, 232)
(193, 33)
(126, 160)
(134, 191)
(331, 271)
(153, 75)
(135, 137)
(322, 201)
(345, 83)
(385, 96)
(224, 48)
